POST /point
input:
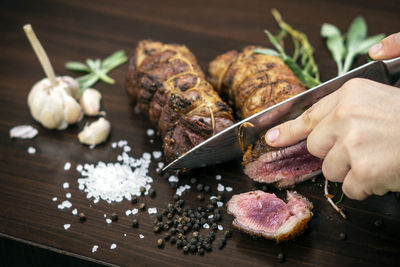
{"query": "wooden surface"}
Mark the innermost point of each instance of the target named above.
(75, 30)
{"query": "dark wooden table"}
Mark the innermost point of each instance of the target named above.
(75, 30)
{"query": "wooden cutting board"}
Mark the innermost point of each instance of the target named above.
(76, 30)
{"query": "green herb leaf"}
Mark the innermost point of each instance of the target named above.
(76, 66)
(329, 30)
(266, 51)
(336, 47)
(370, 41)
(357, 32)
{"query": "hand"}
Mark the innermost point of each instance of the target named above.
(356, 130)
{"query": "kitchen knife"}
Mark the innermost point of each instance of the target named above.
(225, 145)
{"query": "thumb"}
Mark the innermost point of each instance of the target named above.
(387, 48)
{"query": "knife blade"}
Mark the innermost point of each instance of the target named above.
(225, 146)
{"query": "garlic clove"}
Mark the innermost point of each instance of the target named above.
(72, 85)
(90, 102)
(95, 133)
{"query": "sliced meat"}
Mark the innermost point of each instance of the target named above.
(263, 214)
(251, 83)
(166, 81)
(283, 166)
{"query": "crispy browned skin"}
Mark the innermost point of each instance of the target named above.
(252, 82)
(166, 81)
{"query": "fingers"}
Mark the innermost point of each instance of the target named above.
(387, 48)
(336, 164)
(352, 188)
(291, 132)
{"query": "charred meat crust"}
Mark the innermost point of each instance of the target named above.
(252, 82)
(166, 81)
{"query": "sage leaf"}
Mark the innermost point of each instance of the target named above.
(336, 47)
(329, 30)
(357, 31)
(370, 41)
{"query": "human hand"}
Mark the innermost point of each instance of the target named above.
(356, 130)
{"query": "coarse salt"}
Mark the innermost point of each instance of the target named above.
(152, 210)
(108, 220)
(94, 248)
(113, 246)
(151, 141)
(220, 227)
(114, 182)
(210, 216)
(141, 236)
(68, 195)
(212, 197)
(67, 166)
(206, 226)
(65, 205)
(74, 211)
(157, 154)
(31, 150)
(65, 185)
(135, 211)
(23, 132)
(228, 189)
(67, 226)
(150, 132)
(128, 212)
(173, 179)
(54, 199)
(114, 145)
(220, 187)
(79, 168)
(220, 204)
(218, 177)
(127, 149)
(182, 189)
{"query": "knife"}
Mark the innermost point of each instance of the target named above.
(225, 145)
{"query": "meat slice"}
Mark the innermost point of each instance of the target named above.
(263, 214)
(282, 166)
(166, 81)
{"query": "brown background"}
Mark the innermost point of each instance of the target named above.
(75, 30)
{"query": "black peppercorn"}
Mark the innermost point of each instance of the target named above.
(142, 190)
(199, 187)
(207, 189)
(228, 234)
(134, 199)
(208, 247)
(342, 236)
(201, 197)
(165, 226)
(152, 192)
(193, 180)
(184, 242)
(167, 237)
(135, 223)
(186, 249)
(281, 257)
(193, 241)
(82, 217)
(221, 244)
(193, 248)
(201, 251)
(179, 243)
(217, 217)
(114, 217)
(159, 217)
(181, 202)
(196, 227)
(160, 243)
(173, 240)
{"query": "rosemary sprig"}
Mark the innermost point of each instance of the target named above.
(307, 70)
(97, 69)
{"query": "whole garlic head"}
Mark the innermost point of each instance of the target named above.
(95, 133)
(90, 102)
(55, 107)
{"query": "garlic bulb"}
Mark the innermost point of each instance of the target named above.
(90, 102)
(55, 107)
(95, 133)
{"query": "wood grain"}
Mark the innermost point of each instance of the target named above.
(76, 30)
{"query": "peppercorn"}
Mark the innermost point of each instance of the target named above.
(281, 257)
(196, 227)
(186, 249)
(82, 217)
(378, 223)
(193, 248)
(193, 241)
(184, 242)
(167, 237)
(207, 189)
(228, 234)
(201, 251)
(135, 223)
(179, 243)
(214, 226)
(142, 206)
(173, 240)
(160, 243)
(212, 235)
(221, 244)
(217, 217)
(199, 187)
(114, 217)
(193, 180)
(142, 190)
(174, 185)
(152, 192)
(156, 229)
(208, 247)
(134, 199)
(195, 234)
(180, 235)
(201, 197)
(342, 236)
(181, 202)
(165, 227)
(176, 197)
(159, 217)
(210, 207)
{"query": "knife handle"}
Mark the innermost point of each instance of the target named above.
(393, 68)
